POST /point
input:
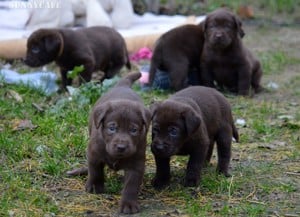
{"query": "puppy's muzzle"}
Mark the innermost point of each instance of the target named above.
(121, 148)
(31, 62)
(218, 37)
(161, 149)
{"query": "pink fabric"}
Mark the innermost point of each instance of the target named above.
(142, 54)
(144, 79)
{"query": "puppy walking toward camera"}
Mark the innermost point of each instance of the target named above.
(225, 59)
(96, 48)
(189, 123)
(118, 128)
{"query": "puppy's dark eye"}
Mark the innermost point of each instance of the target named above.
(155, 129)
(111, 129)
(133, 131)
(173, 132)
(228, 26)
(35, 50)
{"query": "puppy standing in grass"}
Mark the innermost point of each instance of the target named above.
(96, 48)
(225, 59)
(118, 128)
(189, 123)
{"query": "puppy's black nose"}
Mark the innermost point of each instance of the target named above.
(159, 147)
(121, 147)
(218, 35)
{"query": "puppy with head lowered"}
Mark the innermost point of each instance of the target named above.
(225, 60)
(177, 52)
(189, 123)
(118, 128)
(96, 48)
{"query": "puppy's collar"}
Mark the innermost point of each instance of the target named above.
(61, 48)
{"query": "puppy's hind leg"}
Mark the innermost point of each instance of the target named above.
(224, 138)
(194, 167)
(116, 64)
(178, 72)
(86, 74)
(256, 78)
(209, 152)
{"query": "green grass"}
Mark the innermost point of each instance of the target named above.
(273, 62)
(34, 161)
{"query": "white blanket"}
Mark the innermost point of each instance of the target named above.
(13, 20)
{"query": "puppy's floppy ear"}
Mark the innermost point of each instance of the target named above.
(192, 121)
(203, 25)
(98, 114)
(146, 115)
(52, 42)
(153, 108)
(238, 24)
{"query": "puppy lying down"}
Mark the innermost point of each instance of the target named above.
(118, 127)
(96, 48)
(189, 123)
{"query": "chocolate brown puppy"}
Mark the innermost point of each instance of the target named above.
(178, 52)
(225, 60)
(118, 127)
(96, 48)
(189, 123)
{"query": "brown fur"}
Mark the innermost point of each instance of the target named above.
(118, 127)
(225, 59)
(96, 48)
(178, 52)
(188, 123)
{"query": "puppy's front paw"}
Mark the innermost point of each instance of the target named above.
(94, 187)
(129, 207)
(224, 172)
(159, 183)
(191, 181)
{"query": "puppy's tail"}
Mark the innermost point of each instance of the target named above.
(127, 60)
(129, 79)
(128, 64)
(82, 171)
(235, 133)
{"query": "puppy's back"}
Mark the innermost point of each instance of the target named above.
(204, 97)
(183, 40)
(214, 107)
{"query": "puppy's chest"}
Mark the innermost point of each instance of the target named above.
(222, 65)
(114, 164)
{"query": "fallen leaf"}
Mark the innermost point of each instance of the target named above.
(11, 94)
(38, 107)
(245, 12)
(19, 125)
